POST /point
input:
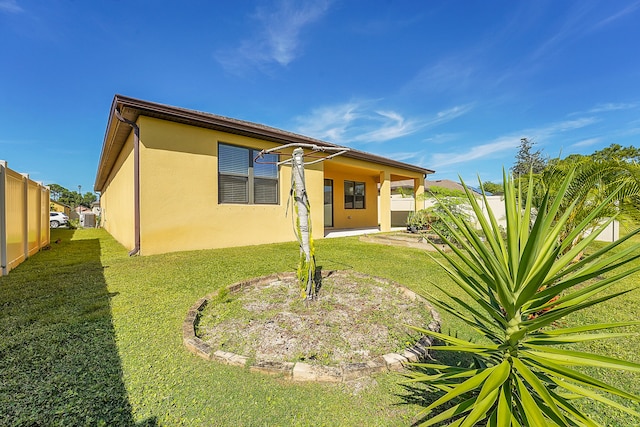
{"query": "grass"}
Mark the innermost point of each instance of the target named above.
(90, 336)
(59, 361)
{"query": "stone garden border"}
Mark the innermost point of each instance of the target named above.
(300, 371)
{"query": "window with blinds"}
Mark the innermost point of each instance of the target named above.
(354, 195)
(241, 180)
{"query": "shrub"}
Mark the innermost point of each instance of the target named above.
(522, 283)
(420, 220)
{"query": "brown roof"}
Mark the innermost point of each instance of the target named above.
(444, 183)
(451, 185)
(131, 108)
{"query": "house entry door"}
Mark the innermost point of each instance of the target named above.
(328, 203)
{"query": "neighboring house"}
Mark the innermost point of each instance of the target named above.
(405, 188)
(452, 185)
(95, 208)
(56, 206)
(173, 179)
(78, 211)
(81, 210)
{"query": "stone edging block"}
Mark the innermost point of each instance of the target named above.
(300, 371)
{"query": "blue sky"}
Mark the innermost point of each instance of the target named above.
(447, 85)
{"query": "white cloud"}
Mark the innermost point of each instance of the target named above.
(602, 108)
(449, 73)
(402, 156)
(10, 6)
(330, 123)
(442, 138)
(618, 15)
(587, 142)
(278, 36)
(283, 26)
(450, 114)
(392, 126)
(632, 131)
(582, 19)
(564, 126)
(508, 143)
(361, 122)
(477, 152)
(607, 107)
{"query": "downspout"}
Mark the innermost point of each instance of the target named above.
(136, 181)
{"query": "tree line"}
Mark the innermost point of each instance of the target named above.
(613, 163)
(71, 198)
(609, 177)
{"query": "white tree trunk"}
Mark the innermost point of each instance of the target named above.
(302, 202)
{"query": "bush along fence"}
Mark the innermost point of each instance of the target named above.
(24, 218)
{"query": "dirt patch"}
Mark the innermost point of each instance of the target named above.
(354, 319)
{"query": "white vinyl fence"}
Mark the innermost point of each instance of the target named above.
(401, 206)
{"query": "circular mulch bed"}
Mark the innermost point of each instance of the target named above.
(356, 326)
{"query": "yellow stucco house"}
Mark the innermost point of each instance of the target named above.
(55, 206)
(173, 179)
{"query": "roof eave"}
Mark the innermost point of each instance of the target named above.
(132, 108)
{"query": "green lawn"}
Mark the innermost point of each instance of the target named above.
(90, 336)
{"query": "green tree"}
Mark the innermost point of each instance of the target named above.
(56, 191)
(71, 198)
(404, 191)
(617, 152)
(522, 374)
(68, 198)
(493, 188)
(435, 191)
(87, 199)
(528, 160)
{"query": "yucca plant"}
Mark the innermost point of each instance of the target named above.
(522, 284)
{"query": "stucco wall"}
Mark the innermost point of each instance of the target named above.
(117, 198)
(377, 212)
(352, 218)
(179, 193)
